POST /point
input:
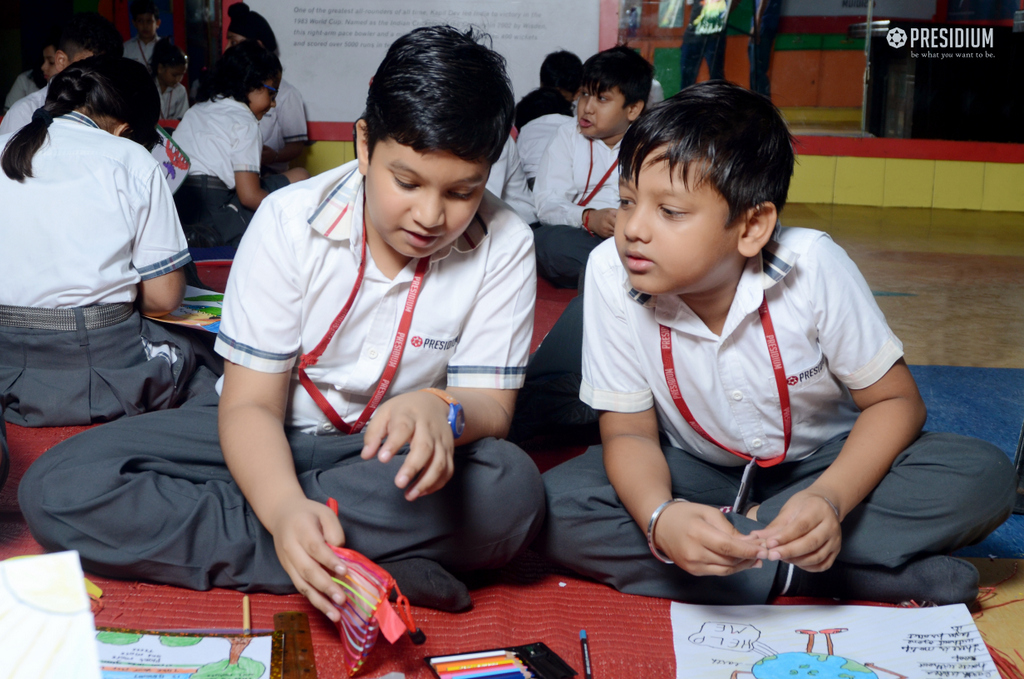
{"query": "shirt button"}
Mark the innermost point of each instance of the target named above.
(372, 353)
(327, 427)
(737, 395)
(756, 443)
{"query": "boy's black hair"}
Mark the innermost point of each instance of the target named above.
(139, 7)
(561, 70)
(242, 69)
(89, 31)
(541, 102)
(104, 86)
(251, 25)
(621, 67)
(737, 141)
(166, 53)
(439, 89)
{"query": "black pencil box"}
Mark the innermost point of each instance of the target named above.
(538, 658)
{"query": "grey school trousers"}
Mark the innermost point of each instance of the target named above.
(150, 498)
(562, 253)
(943, 492)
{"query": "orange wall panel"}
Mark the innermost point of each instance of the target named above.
(795, 76)
(842, 78)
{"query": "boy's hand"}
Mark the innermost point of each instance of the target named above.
(806, 533)
(301, 529)
(421, 420)
(602, 222)
(702, 541)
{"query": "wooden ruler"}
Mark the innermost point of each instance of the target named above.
(298, 662)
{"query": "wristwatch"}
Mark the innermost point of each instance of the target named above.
(456, 417)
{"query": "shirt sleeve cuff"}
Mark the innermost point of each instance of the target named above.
(246, 168)
(164, 266)
(296, 137)
(250, 357)
(876, 368)
(486, 377)
(616, 401)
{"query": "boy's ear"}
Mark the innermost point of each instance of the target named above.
(756, 228)
(634, 110)
(362, 147)
(60, 60)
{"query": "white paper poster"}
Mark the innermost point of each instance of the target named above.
(828, 642)
(331, 48)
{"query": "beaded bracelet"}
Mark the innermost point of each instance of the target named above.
(654, 522)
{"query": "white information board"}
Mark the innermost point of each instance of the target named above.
(331, 48)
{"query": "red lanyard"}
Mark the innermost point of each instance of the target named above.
(310, 359)
(780, 380)
(586, 199)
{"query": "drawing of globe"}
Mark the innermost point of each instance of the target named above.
(896, 37)
(816, 665)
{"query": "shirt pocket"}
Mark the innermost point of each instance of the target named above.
(430, 348)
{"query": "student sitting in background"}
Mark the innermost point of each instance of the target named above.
(761, 431)
(221, 137)
(146, 19)
(508, 182)
(90, 241)
(5, 458)
(283, 127)
(168, 67)
(538, 116)
(403, 253)
(86, 35)
(562, 71)
(577, 186)
(36, 78)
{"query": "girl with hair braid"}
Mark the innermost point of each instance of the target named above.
(91, 242)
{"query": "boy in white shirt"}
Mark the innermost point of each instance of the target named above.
(576, 189)
(86, 35)
(758, 421)
(429, 283)
(146, 18)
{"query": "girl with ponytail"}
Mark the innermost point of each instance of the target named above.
(90, 239)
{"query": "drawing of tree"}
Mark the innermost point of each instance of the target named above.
(117, 638)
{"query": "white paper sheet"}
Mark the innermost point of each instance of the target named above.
(46, 625)
(867, 642)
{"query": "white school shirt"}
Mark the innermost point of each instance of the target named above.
(284, 123)
(95, 219)
(297, 264)
(173, 101)
(535, 137)
(220, 137)
(136, 50)
(508, 182)
(22, 87)
(831, 334)
(21, 112)
(562, 177)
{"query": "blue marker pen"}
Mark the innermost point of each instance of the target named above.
(585, 648)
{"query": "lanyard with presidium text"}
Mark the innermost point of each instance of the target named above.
(587, 198)
(310, 359)
(780, 379)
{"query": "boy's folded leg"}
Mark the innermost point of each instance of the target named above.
(149, 498)
(590, 531)
(940, 580)
(942, 493)
(487, 513)
(426, 583)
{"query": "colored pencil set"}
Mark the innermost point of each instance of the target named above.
(499, 664)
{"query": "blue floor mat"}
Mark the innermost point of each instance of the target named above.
(987, 403)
